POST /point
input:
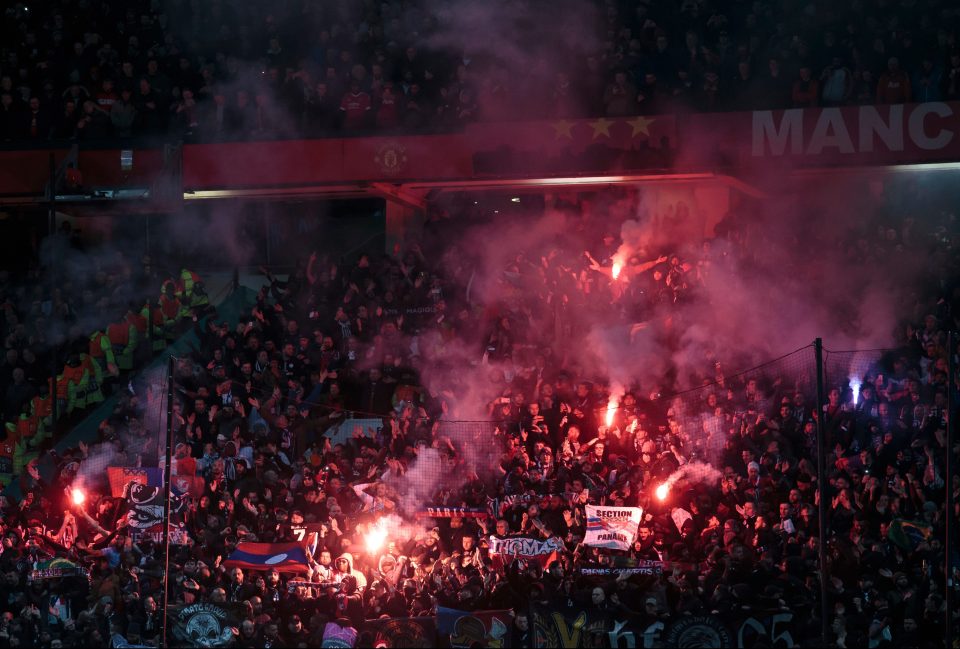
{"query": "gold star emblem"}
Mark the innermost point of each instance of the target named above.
(601, 127)
(562, 129)
(640, 125)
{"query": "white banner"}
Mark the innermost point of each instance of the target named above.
(680, 516)
(525, 547)
(613, 528)
(541, 551)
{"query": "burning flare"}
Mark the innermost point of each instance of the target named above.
(78, 496)
(855, 386)
(376, 537)
(611, 411)
(615, 269)
(662, 491)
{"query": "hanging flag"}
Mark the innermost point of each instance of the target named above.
(188, 485)
(121, 476)
(409, 632)
(579, 626)
(203, 625)
(543, 552)
(284, 557)
(144, 514)
(613, 528)
(55, 569)
(144, 507)
(908, 534)
(294, 584)
(473, 628)
(697, 630)
(453, 512)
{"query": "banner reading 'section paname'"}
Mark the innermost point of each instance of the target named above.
(613, 528)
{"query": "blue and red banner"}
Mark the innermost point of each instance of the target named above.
(284, 557)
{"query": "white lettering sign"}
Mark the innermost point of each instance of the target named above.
(832, 130)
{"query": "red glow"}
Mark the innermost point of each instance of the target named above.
(662, 491)
(376, 537)
(611, 411)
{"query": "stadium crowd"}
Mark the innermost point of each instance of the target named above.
(48, 334)
(223, 70)
(340, 345)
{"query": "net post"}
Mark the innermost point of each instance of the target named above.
(166, 504)
(822, 488)
(948, 484)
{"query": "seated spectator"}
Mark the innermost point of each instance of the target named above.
(806, 89)
(926, 84)
(93, 123)
(620, 97)
(37, 122)
(186, 113)
(105, 96)
(150, 108)
(65, 126)
(388, 108)
(951, 78)
(836, 80)
(321, 113)
(354, 107)
(9, 117)
(123, 115)
(894, 85)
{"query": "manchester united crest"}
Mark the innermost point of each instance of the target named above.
(391, 157)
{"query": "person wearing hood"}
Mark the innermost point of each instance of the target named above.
(344, 567)
(392, 569)
(244, 479)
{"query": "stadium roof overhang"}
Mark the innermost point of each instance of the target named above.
(721, 148)
(413, 194)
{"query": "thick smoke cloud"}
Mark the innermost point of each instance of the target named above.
(102, 279)
(423, 477)
(797, 281)
(777, 273)
(92, 474)
(694, 473)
